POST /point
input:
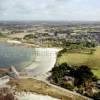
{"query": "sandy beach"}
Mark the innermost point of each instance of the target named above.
(32, 96)
(44, 62)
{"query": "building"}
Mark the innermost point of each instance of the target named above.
(61, 35)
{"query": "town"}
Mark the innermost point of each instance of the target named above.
(53, 35)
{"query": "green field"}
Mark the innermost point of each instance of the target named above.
(91, 60)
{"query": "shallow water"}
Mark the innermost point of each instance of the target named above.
(35, 61)
(16, 56)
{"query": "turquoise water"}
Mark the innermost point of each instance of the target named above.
(20, 57)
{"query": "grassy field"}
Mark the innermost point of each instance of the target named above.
(91, 60)
(43, 88)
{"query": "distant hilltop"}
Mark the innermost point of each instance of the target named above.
(32, 22)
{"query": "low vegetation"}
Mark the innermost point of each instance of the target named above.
(44, 88)
(2, 35)
(77, 57)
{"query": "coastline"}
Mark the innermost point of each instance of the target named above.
(46, 59)
(44, 62)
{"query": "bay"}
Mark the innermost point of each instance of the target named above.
(15, 56)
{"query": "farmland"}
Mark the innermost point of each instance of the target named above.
(77, 59)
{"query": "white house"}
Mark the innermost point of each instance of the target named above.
(51, 33)
(62, 35)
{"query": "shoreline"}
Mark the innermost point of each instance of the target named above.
(50, 56)
(44, 62)
(44, 56)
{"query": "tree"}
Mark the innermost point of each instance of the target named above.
(29, 36)
(2, 35)
(58, 72)
(82, 74)
(97, 96)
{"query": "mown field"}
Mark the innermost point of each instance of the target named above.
(91, 60)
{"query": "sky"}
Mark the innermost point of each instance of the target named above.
(55, 10)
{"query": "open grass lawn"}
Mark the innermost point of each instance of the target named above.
(91, 60)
